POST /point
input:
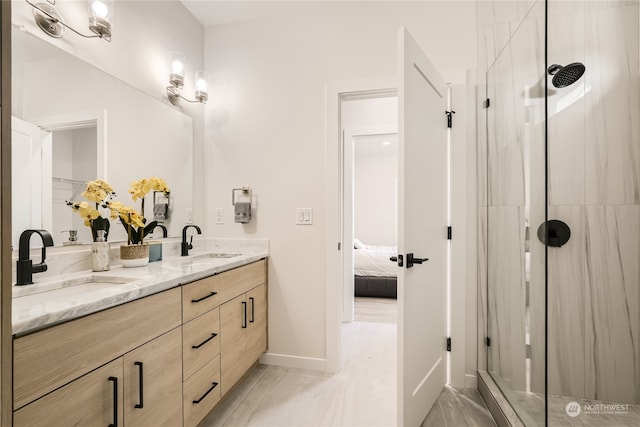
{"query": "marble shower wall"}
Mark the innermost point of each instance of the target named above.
(594, 160)
(594, 186)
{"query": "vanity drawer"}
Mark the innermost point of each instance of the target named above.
(199, 297)
(239, 280)
(52, 357)
(201, 392)
(203, 295)
(200, 341)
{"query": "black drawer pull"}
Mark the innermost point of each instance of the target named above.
(253, 315)
(141, 388)
(205, 341)
(205, 395)
(244, 308)
(115, 401)
(204, 298)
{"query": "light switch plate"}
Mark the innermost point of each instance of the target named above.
(304, 216)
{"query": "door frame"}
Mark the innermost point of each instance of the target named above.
(336, 92)
(463, 254)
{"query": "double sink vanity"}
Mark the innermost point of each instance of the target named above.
(154, 345)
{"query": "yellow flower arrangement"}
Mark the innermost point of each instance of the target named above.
(132, 219)
(99, 192)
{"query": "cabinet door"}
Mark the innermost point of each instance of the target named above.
(256, 325)
(233, 341)
(92, 400)
(153, 382)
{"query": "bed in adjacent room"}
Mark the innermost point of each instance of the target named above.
(375, 274)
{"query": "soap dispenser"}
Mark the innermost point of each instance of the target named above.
(100, 252)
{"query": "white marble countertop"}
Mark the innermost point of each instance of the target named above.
(68, 296)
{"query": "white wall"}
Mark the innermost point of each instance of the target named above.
(269, 133)
(144, 32)
(375, 193)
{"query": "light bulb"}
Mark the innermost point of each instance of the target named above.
(201, 84)
(177, 66)
(99, 9)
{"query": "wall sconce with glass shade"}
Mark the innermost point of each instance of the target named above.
(50, 21)
(176, 81)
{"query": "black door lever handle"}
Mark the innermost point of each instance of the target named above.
(397, 259)
(411, 260)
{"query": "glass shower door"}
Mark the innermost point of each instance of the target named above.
(515, 159)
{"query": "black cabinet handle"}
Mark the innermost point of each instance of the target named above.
(244, 308)
(253, 304)
(141, 387)
(205, 341)
(205, 297)
(205, 395)
(115, 401)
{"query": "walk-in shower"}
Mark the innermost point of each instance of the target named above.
(559, 169)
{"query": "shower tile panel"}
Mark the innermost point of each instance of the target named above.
(612, 152)
(566, 112)
(506, 296)
(566, 295)
(613, 297)
(536, 303)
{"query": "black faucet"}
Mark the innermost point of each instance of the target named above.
(184, 248)
(25, 267)
(164, 229)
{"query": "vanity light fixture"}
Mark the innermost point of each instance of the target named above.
(50, 21)
(176, 81)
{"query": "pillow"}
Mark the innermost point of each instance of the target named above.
(357, 244)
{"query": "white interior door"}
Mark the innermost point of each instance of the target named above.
(422, 222)
(31, 177)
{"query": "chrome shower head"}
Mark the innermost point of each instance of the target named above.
(567, 75)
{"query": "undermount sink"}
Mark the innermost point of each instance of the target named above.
(203, 257)
(89, 281)
(216, 255)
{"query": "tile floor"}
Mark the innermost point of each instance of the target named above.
(591, 414)
(362, 394)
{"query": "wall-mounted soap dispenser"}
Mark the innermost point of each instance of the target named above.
(241, 201)
(161, 206)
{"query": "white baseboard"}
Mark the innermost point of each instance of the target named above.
(470, 381)
(296, 362)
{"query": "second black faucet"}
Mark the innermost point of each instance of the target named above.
(185, 246)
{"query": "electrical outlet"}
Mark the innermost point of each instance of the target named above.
(219, 215)
(189, 216)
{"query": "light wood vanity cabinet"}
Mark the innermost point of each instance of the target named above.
(215, 334)
(94, 399)
(152, 382)
(134, 365)
(56, 381)
(243, 326)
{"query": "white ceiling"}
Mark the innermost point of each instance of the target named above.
(216, 12)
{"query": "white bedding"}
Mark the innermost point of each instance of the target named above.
(374, 261)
